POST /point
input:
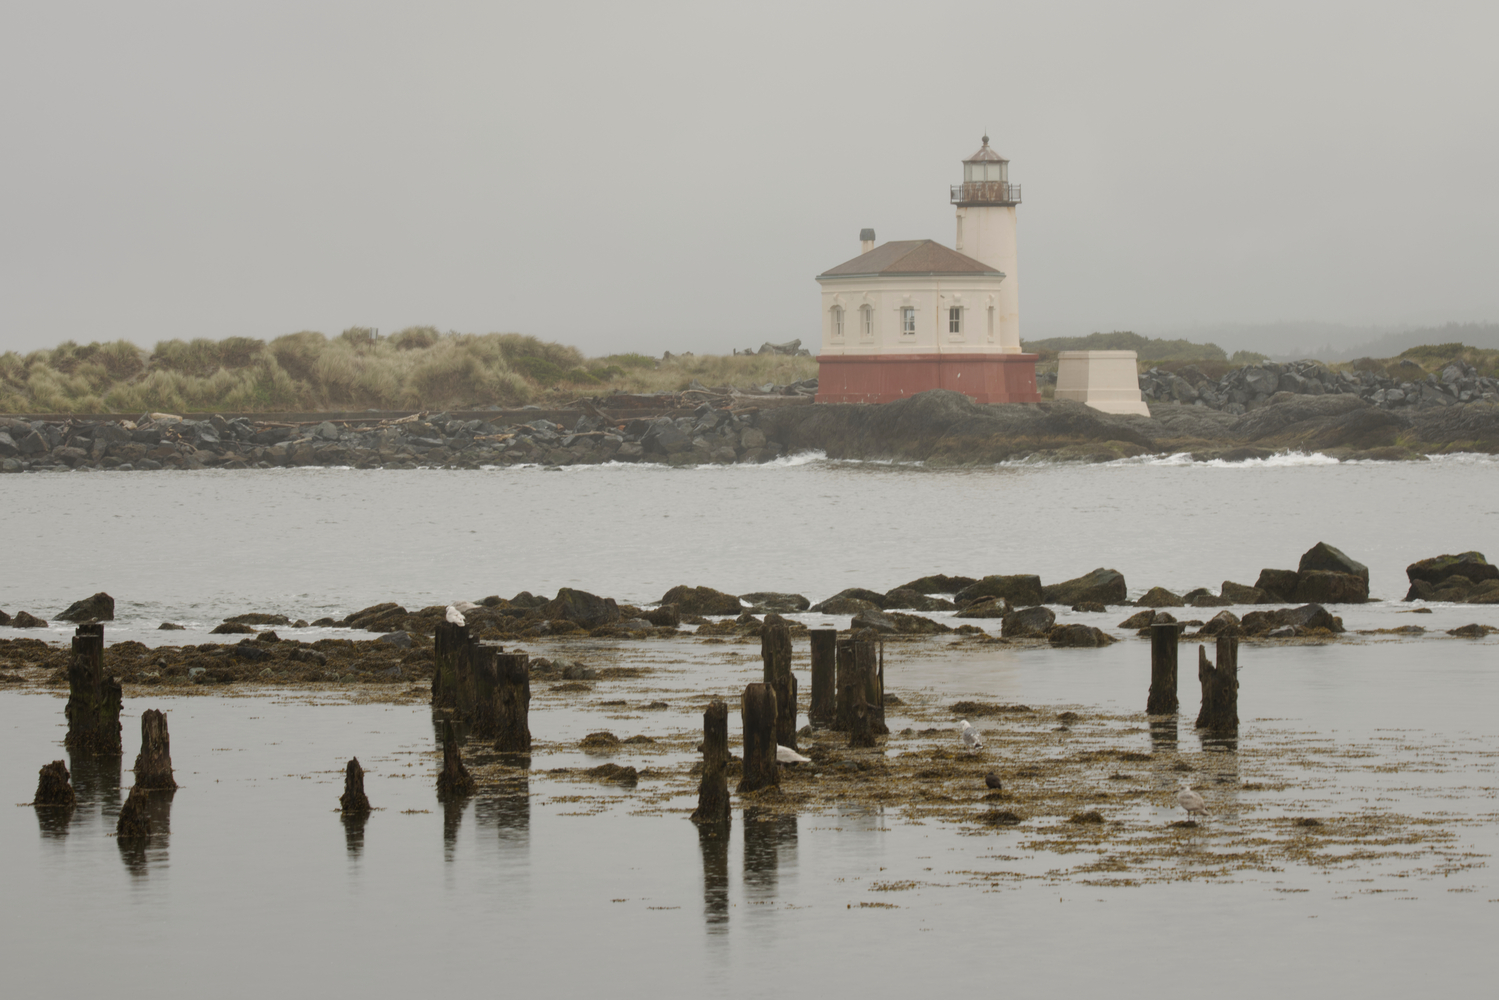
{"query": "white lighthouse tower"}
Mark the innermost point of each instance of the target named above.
(986, 203)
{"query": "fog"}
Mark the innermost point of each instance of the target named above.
(671, 176)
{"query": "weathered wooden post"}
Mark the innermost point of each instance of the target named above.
(153, 765)
(53, 787)
(713, 789)
(758, 710)
(775, 652)
(449, 644)
(824, 675)
(94, 700)
(453, 781)
(1163, 645)
(512, 703)
(1220, 686)
(843, 678)
(484, 682)
(133, 824)
(870, 674)
(353, 801)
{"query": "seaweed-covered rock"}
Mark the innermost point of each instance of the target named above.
(54, 786)
(1325, 587)
(1278, 584)
(666, 616)
(875, 619)
(99, 608)
(134, 823)
(581, 608)
(25, 619)
(986, 607)
(1027, 623)
(1437, 570)
(1238, 593)
(1324, 558)
(1104, 586)
(1204, 598)
(1140, 619)
(1022, 589)
(844, 606)
(1223, 623)
(852, 593)
(1474, 631)
(259, 618)
(1090, 607)
(1308, 616)
(1077, 635)
(938, 583)
(231, 628)
(1160, 597)
(372, 618)
(916, 601)
(784, 604)
(702, 601)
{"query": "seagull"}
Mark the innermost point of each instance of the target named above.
(1190, 800)
(466, 606)
(786, 755)
(970, 736)
(455, 617)
(992, 780)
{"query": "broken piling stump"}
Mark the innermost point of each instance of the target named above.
(153, 765)
(1220, 686)
(843, 676)
(775, 651)
(824, 674)
(453, 781)
(512, 703)
(94, 700)
(713, 789)
(1163, 647)
(134, 824)
(483, 678)
(353, 801)
(54, 786)
(757, 709)
(450, 643)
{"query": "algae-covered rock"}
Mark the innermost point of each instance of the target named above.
(1324, 587)
(1223, 623)
(25, 619)
(987, 607)
(1160, 597)
(1078, 635)
(851, 594)
(1020, 589)
(581, 608)
(1204, 598)
(1238, 593)
(785, 604)
(1278, 584)
(913, 600)
(1436, 570)
(1323, 557)
(1104, 586)
(844, 606)
(99, 608)
(938, 583)
(702, 601)
(1027, 623)
(875, 619)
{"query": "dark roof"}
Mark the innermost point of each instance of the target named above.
(985, 153)
(910, 257)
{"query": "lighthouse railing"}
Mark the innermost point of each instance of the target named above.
(986, 193)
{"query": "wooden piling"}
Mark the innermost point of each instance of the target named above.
(133, 823)
(483, 683)
(453, 781)
(713, 789)
(1220, 687)
(353, 801)
(775, 652)
(450, 643)
(843, 678)
(757, 708)
(824, 676)
(512, 703)
(94, 700)
(869, 673)
(1163, 646)
(54, 787)
(153, 765)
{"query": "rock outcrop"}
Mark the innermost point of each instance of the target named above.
(99, 608)
(1102, 586)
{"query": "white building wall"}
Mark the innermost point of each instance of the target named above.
(931, 298)
(987, 233)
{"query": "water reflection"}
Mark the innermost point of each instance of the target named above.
(96, 782)
(766, 836)
(1163, 734)
(714, 844)
(1220, 780)
(452, 819)
(507, 808)
(141, 855)
(354, 832)
(54, 820)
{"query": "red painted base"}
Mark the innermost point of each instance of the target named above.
(884, 378)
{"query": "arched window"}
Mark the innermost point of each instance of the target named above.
(838, 322)
(866, 322)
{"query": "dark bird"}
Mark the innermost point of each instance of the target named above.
(992, 780)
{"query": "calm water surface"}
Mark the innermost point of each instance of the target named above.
(260, 888)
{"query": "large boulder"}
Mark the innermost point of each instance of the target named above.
(1437, 569)
(24, 619)
(1160, 597)
(1223, 623)
(784, 604)
(1324, 558)
(873, 618)
(1308, 616)
(854, 593)
(893, 622)
(1278, 584)
(99, 608)
(938, 583)
(1102, 586)
(1027, 623)
(987, 607)
(1204, 598)
(1240, 594)
(582, 608)
(844, 606)
(1019, 588)
(376, 614)
(702, 601)
(914, 600)
(1324, 587)
(1085, 636)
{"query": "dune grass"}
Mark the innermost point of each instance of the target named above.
(417, 368)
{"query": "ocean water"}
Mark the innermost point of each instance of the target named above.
(259, 889)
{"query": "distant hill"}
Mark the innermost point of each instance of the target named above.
(1147, 348)
(1484, 336)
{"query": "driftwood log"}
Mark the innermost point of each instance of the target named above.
(1220, 687)
(453, 781)
(153, 765)
(758, 710)
(1163, 647)
(353, 801)
(512, 703)
(713, 789)
(54, 786)
(824, 675)
(775, 652)
(94, 700)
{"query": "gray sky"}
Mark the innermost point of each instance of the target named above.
(653, 176)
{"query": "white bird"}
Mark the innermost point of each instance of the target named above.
(1190, 800)
(786, 755)
(454, 616)
(970, 736)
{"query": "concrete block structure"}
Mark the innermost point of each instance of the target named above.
(1105, 380)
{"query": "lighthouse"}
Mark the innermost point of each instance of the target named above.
(986, 203)
(911, 315)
